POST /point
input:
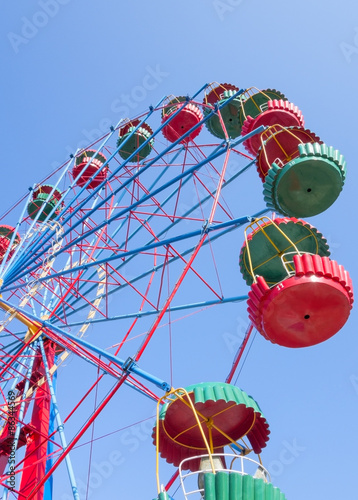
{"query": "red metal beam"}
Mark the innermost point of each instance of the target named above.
(36, 449)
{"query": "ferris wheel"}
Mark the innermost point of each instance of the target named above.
(124, 238)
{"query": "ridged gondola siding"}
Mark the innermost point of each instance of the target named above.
(233, 486)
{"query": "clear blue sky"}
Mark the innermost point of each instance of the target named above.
(74, 67)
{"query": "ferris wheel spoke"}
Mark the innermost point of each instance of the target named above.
(120, 366)
(195, 206)
(136, 251)
(147, 220)
(199, 165)
(79, 345)
(175, 258)
(152, 330)
(134, 232)
(183, 307)
(231, 223)
(36, 245)
(82, 190)
(130, 207)
(155, 311)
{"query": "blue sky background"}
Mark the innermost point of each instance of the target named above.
(69, 71)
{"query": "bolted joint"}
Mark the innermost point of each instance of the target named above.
(205, 227)
(166, 387)
(128, 365)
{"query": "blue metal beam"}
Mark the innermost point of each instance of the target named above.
(168, 241)
(199, 165)
(98, 188)
(119, 227)
(163, 231)
(140, 314)
(104, 354)
(7, 279)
